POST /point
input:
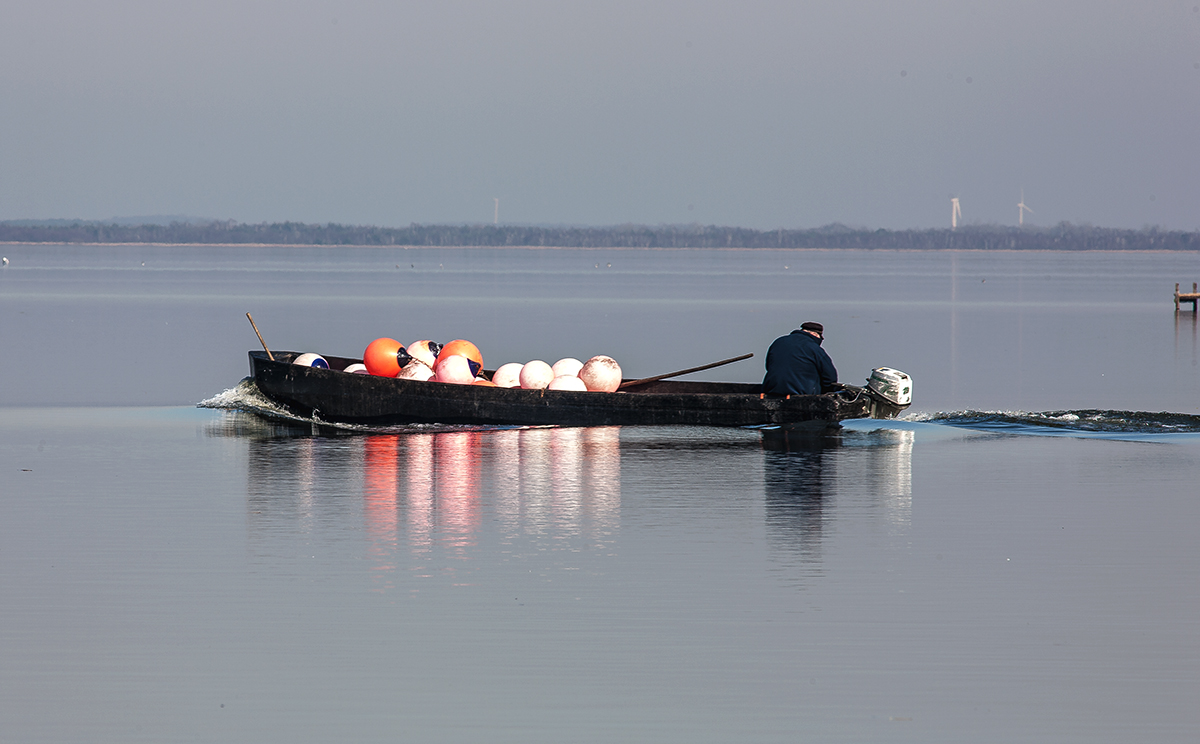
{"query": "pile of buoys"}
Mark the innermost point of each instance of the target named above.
(598, 374)
(460, 363)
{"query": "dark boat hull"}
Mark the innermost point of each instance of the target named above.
(335, 396)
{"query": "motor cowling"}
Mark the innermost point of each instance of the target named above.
(891, 384)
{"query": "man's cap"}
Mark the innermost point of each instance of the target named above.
(811, 326)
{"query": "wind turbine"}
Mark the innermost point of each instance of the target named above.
(1022, 209)
(955, 212)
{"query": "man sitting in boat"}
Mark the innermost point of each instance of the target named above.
(797, 365)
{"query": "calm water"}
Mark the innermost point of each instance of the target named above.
(1016, 561)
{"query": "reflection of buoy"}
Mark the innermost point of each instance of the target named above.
(453, 368)
(567, 382)
(567, 366)
(426, 351)
(508, 375)
(357, 369)
(536, 375)
(601, 373)
(311, 360)
(464, 349)
(385, 357)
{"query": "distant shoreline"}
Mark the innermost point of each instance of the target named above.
(601, 248)
(1063, 237)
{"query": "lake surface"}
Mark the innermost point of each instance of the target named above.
(1017, 559)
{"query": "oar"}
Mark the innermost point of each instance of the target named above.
(656, 378)
(256, 333)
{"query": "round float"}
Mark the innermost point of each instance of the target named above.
(425, 351)
(385, 357)
(567, 366)
(453, 368)
(508, 375)
(311, 360)
(466, 349)
(536, 375)
(601, 373)
(415, 370)
(567, 382)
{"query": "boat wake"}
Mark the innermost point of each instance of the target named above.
(1080, 423)
(247, 398)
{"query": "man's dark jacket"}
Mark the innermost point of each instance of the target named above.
(797, 365)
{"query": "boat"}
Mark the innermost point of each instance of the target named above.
(334, 396)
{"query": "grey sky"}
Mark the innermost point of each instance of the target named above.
(759, 114)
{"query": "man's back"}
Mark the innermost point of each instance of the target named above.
(797, 365)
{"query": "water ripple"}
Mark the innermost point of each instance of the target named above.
(1084, 422)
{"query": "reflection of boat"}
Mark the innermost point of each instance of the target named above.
(798, 482)
(805, 472)
(335, 396)
(433, 494)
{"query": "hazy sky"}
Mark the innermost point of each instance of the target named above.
(758, 114)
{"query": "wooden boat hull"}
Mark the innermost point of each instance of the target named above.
(338, 397)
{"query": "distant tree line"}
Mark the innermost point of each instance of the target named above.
(1064, 236)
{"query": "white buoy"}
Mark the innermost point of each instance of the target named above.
(357, 369)
(6, 260)
(415, 370)
(508, 375)
(567, 382)
(424, 350)
(311, 360)
(567, 366)
(453, 368)
(536, 375)
(601, 373)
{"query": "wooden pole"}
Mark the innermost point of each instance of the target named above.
(264, 343)
(656, 378)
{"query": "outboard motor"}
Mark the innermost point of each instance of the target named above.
(890, 391)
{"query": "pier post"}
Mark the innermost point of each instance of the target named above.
(1192, 297)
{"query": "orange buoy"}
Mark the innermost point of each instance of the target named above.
(465, 349)
(385, 357)
(484, 383)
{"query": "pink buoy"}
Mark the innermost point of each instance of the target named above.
(415, 370)
(311, 360)
(508, 375)
(357, 369)
(453, 368)
(567, 382)
(536, 375)
(601, 374)
(424, 350)
(567, 366)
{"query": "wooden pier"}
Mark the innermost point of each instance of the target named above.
(1191, 297)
